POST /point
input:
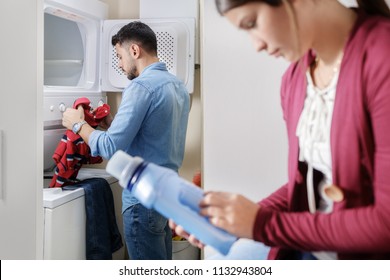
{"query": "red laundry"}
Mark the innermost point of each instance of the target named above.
(72, 152)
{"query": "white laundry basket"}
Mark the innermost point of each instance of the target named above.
(183, 250)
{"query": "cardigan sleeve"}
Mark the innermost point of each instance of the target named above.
(277, 200)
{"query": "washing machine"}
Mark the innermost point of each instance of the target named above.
(65, 218)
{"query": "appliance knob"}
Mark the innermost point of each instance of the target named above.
(62, 107)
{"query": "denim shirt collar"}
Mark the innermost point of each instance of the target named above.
(155, 66)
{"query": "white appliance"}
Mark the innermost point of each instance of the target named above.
(79, 56)
(64, 224)
(65, 219)
(79, 60)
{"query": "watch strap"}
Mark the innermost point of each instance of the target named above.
(77, 126)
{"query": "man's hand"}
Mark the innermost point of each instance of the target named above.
(72, 116)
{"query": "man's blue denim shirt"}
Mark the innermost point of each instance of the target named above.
(151, 122)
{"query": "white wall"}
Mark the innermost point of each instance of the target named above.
(244, 141)
(21, 68)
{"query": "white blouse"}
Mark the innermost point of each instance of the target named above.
(313, 131)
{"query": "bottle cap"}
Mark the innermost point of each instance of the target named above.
(122, 166)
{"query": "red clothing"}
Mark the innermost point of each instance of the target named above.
(72, 152)
(92, 117)
(359, 226)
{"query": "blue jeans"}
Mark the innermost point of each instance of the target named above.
(147, 234)
(102, 233)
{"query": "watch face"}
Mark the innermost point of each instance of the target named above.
(76, 128)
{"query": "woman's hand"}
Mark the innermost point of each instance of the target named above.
(181, 232)
(231, 212)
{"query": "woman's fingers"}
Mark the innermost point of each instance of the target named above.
(231, 212)
(214, 198)
(181, 232)
(172, 224)
(194, 241)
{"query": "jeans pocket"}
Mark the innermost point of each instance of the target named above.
(156, 222)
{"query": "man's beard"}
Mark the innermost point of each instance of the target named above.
(133, 73)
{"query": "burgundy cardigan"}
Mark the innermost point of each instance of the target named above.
(359, 226)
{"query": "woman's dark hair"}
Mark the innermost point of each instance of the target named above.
(139, 33)
(374, 7)
(224, 6)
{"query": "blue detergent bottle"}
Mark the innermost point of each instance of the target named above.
(163, 190)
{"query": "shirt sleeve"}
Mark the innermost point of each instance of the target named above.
(135, 104)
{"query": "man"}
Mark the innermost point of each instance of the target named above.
(151, 123)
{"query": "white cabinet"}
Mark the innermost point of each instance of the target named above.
(21, 76)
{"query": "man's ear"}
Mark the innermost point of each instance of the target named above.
(135, 50)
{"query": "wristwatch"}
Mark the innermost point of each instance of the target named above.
(77, 127)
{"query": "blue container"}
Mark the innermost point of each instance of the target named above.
(162, 189)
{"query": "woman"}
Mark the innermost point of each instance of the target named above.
(336, 104)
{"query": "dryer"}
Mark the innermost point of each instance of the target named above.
(79, 57)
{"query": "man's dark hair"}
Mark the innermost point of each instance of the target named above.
(139, 33)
